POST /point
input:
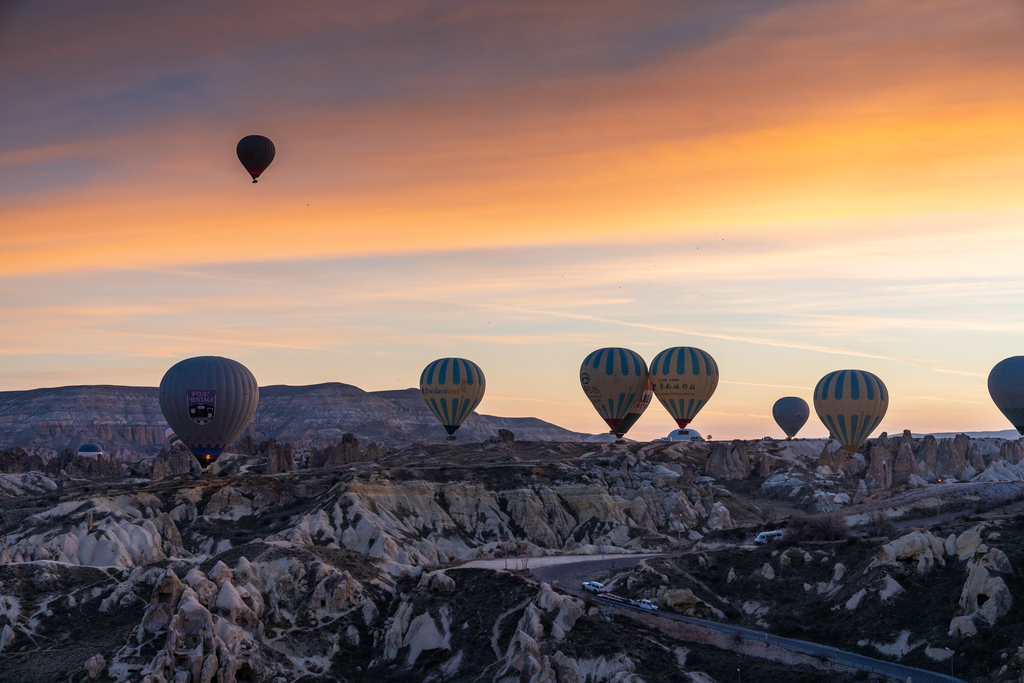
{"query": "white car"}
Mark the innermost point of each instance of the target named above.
(644, 604)
(593, 586)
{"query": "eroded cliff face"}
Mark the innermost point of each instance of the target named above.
(290, 614)
(403, 517)
(426, 523)
(264, 568)
(334, 572)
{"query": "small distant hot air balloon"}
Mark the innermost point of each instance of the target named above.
(172, 438)
(851, 404)
(791, 413)
(90, 450)
(615, 380)
(452, 389)
(1006, 387)
(255, 152)
(208, 401)
(683, 379)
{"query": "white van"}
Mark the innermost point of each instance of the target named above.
(593, 586)
(767, 537)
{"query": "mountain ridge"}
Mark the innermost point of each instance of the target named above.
(127, 422)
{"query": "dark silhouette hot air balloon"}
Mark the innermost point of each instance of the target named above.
(636, 411)
(851, 404)
(452, 389)
(791, 413)
(1006, 387)
(255, 152)
(208, 401)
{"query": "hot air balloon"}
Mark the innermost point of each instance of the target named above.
(791, 413)
(452, 389)
(614, 380)
(684, 378)
(851, 404)
(255, 152)
(172, 438)
(208, 401)
(636, 411)
(1006, 387)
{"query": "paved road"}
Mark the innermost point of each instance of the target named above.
(931, 521)
(569, 577)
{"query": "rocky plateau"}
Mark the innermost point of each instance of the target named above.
(347, 560)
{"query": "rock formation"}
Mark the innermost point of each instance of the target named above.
(729, 461)
(262, 571)
(175, 462)
(74, 465)
(17, 459)
(344, 453)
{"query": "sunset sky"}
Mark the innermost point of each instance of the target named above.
(794, 187)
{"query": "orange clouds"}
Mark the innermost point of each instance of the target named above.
(774, 124)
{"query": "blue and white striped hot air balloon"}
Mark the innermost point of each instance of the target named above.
(851, 404)
(683, 379)
(614, 380)
(452, 389)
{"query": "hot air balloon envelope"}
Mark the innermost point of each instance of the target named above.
(172, 438)
(452, 389)
(255, 152)
(791, 413)
(683, 379)
(208, 401)
(614, 380)
(90, 450)
(851, 404)
(1006, 387)
(636, 411)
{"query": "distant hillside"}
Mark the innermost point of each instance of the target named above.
(127, 420)
(1002, 434)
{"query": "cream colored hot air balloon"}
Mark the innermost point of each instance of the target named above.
(851, 404)
(452, 389)
(683, 379)
(614, 380)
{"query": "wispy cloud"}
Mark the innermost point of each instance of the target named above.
(793, 185)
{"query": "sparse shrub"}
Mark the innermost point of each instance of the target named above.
(830, 527)
(879, 524)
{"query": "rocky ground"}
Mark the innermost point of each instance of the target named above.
(329, 564)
